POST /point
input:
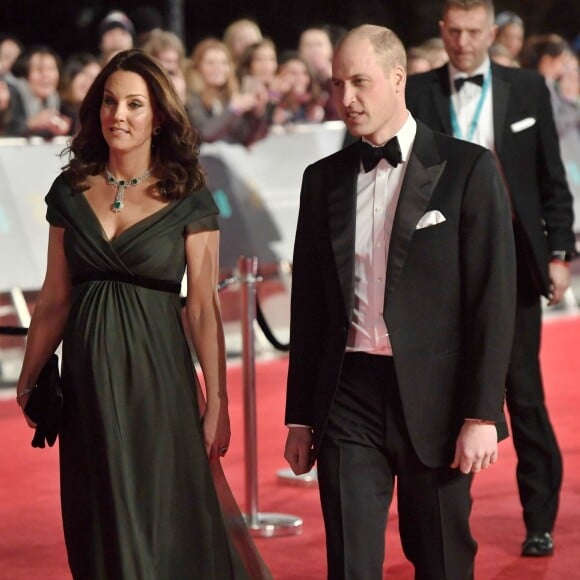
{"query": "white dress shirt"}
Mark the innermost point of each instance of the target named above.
(465, 103)
(377, 198)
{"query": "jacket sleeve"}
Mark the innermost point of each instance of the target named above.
(556, 198)
(307, 313)
(488, 272)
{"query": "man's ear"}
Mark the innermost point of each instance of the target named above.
(493, 33)
(399, 77)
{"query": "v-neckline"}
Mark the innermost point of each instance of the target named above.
(115, 238)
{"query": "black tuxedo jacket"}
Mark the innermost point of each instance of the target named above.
(449, 298)
(526, 144)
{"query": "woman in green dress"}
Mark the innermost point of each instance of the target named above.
(128, 215)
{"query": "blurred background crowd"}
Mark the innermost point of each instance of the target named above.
(239, 86)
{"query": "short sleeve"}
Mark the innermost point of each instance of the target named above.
(204, 212)
(53, 206)
(205, 224)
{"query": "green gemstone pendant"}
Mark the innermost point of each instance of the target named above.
(121, 185)
(117, 206)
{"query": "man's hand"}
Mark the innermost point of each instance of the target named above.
(297, 451)
(560, 279)
(476, 447)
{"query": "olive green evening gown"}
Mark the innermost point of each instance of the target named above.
(138, 498)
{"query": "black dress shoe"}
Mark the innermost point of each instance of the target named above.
(538, 545)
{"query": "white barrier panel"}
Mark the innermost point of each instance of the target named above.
(26, 172)
(570, 149)
(257, 190)
(267, 187)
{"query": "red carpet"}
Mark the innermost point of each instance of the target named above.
(31, 544)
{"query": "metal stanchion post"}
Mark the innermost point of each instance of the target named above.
(259, 524)
(20, 306)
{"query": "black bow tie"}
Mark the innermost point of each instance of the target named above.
(460, 81)
(370, 155)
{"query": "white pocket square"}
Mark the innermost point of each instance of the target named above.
(431, 218)
(523, 124)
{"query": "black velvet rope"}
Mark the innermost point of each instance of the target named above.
(268, 331)
(264, 326)
(13, 330)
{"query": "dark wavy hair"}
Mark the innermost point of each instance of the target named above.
(539, 45)
(21, 66)
(175, 149)
(247, 57)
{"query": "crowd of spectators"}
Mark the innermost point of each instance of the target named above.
(238, 87)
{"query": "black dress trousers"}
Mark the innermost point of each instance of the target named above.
(365, 446)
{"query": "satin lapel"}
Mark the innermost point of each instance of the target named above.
(501, 92)
(421, 178)
(442, 98)
(342, 220)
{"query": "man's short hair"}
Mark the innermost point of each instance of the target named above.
(469, 4)
(116, 19)
(506, 18)
(387, 44)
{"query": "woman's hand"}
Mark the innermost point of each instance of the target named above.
(262, 97)
(50, 120)
(241, 103)
(216, 429)
(22, 396)
(281, 84)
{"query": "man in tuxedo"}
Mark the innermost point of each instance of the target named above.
(403, 300)
(508, 111)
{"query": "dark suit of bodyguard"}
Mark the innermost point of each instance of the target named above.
(521, 131)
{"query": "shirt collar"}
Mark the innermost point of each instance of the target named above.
(455, 73)
(406, 136)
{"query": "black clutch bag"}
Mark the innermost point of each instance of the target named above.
(44, 405)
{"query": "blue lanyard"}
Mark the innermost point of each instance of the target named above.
(473, 125)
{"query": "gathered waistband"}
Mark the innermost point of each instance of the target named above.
(144, 282)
